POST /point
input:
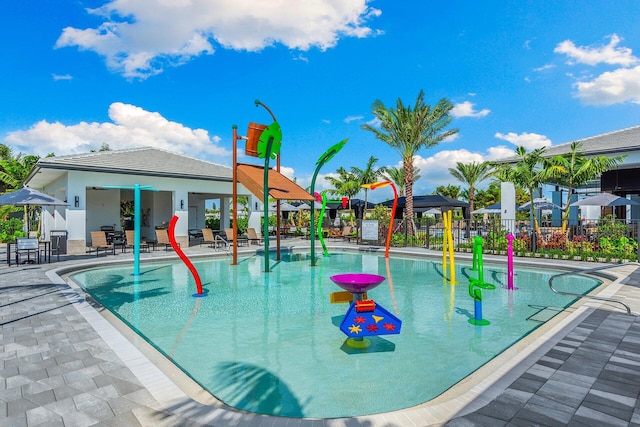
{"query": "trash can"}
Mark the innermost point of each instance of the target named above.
(61, 235)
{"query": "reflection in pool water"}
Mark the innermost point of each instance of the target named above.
(270, 343)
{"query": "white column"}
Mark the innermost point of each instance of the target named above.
(508, 206)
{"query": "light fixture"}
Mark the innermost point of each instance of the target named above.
(76, 201)
(181, 204)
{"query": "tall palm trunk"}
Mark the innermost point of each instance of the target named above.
(408, 206)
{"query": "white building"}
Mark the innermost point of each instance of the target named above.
(87, 182)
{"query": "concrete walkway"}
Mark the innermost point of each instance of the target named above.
(63, 364)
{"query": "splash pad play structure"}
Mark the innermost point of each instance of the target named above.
(364, 317)
(252, 319)
(264, 142)
(476, 285)
(176, 247)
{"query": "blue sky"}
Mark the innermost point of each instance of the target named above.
(178, 74)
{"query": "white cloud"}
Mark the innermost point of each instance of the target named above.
(289, 172)
(465, 109)
(131, 127)
(434, 170)
(375, 122)
(544, 68)
(350, 119)
(130, 42)
(608, 54)
(530, 141)
(499, 152)
(57, 77)
(613, 87)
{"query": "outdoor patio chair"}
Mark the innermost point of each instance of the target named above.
(253, 237)
(55, 248)
(335, 233)
(346, 233)
(208, 237)
(99, 242)
(194, 233)
(130, 238)
(27, 246)
(230, 237)
(162, 239)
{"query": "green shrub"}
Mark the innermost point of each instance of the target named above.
(610, 228)
(213, 223)
(11, 229)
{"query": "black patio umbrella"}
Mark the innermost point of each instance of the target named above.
(491, 209)
(539, 203)
(429, 201)
(29, 197)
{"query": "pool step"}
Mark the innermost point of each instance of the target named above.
(545, 314)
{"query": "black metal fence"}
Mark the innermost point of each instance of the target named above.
(604, 239)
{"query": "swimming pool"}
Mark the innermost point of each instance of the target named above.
(270, 343)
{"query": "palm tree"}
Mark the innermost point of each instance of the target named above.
(368, 175)
(14, 169)
(573, 169)
(452, 191)
(396, 175)
(407, 130)
(471, 174)
(345, 184)
(527, 173)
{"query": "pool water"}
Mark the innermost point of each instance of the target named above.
(270, 343)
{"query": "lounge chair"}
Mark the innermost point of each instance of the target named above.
(253, 237)
(335, 233)
(130, 238)
(208, 237)
(346, 233)
(230, 237)
(99, 242)
(162, 238)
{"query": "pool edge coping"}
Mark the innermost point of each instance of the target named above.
(171, 398)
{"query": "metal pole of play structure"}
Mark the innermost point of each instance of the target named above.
(270, 139)
(136, 221)
(393, 209)
(328, 155)
(234, 197)
(265, 227)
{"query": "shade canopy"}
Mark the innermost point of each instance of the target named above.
(285, 207)
(491, 209)
(605, 199)
(280, 187)
(306, 207)
(430, 201)
(539, 203)
(431, 211)
(29, 197)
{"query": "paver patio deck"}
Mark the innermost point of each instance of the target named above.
(63, 364)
